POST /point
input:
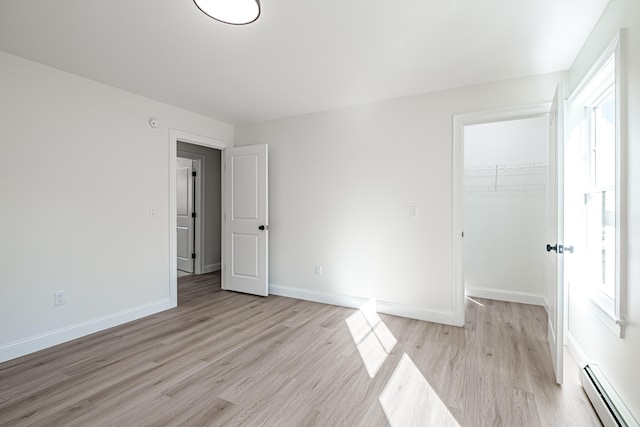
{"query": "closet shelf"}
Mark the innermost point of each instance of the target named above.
(505, 167)
(513, 171)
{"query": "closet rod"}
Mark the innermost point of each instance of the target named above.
(505, 167)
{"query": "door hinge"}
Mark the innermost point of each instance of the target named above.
(193, 256)
(463, 234)
(193, 214)
(193, 173)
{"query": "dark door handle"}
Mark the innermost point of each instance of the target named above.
(263, 227)
(559, 248)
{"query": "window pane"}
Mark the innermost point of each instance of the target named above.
(601, 240)
(604, 141)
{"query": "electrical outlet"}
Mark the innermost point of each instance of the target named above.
(59, 298)
(318, 270)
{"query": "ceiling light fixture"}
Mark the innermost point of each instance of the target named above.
(234, 12)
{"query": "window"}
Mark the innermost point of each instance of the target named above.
(595, 108)
(600, 192)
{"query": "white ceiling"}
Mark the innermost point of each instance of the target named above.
(301, 55)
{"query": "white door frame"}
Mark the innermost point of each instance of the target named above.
(191, 138)
(200, 191)
(194, 227)
(459, 122)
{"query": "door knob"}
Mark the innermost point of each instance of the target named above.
(559, 248)
(263, 227)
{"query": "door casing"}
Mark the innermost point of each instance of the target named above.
(187, 220)
(459, 122)
(199, 206)
(191, 138)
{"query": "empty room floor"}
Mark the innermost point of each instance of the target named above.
(223, 358)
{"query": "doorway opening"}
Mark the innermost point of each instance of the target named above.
(460, 123)
(244, 213)
(207, 153)
(198, 209)
(505, 181)
(553, 295)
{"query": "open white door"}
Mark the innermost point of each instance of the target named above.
(184, 212)
(555, 234)
(246, 230)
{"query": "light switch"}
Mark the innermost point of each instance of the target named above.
(413, 212)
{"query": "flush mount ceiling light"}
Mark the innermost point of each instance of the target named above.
(235, 12)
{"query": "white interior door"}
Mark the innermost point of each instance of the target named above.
(246, 230)
(554, 267)
(184, 205)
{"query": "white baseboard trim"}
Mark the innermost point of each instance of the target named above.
(546, 305)
(575, 350)
(48, 339)
(210, 268)
(510, 296)
(429, 315)
(315, 296)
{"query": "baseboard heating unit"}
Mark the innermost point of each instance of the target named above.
(610, 409)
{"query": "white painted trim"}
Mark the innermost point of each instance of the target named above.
(459, 122)
(426, 314)
(458, 220)
(602, 409)
(576, 351)
(505, 295)
(546, 307)
(613, 317)
(315, 296)
(605, 314)
(622, 233)
(176, 135)
(198, 265)
(612, 47)
(48, 339)
(429, 315)
(210, 268)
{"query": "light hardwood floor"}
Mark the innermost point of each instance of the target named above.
(223, 358)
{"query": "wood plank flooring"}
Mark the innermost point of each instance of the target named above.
(222, 358)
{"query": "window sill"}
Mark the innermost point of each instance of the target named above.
(604, 309)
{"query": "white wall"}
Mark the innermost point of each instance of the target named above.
(341, 183)
(211, 221)
(618, 358)
(75, 210)
(504, 221)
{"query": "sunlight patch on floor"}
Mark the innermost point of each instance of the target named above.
(373, 339)
(409, 400)
(474, 301)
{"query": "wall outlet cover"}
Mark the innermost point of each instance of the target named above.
(59, 298)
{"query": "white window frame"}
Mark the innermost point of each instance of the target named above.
(592, 186)
(611, 312)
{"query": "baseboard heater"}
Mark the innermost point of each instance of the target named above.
(610, 409)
